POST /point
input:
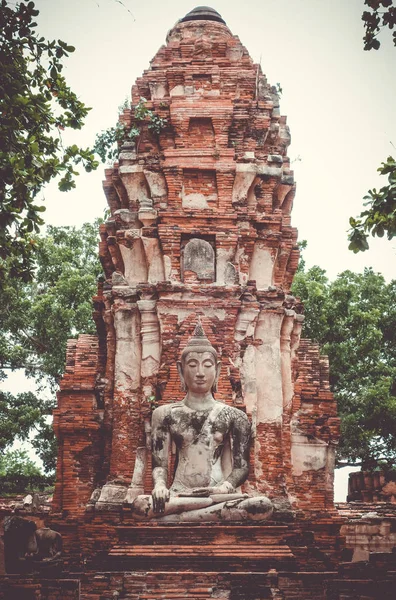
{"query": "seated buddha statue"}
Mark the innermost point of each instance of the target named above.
(212, 441)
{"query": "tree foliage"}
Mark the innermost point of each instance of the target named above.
(107, 142)
(13, 462)
(19, 473)
(381, 14)
(37, 319)
(17, 414)
(380, 215)
(36, 105)
(353, 319)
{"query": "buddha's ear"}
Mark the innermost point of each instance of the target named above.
(180, 371)
(218, 369)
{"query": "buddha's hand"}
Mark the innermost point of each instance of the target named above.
(160, 496)
(223, 488)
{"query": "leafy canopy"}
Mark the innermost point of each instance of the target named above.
(19, 473)
(380, 215)
(37, 319)
(15, 462)
(353, 319)
(36, 105)
(376, 19)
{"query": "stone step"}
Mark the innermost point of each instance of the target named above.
(213, 550)
(204, 534)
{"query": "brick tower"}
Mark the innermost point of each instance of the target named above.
(200, 203)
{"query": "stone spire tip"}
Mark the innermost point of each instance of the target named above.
(203, 13)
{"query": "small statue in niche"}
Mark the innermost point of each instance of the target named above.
(199, 258)
(212, 441)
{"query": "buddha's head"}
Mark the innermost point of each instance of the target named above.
(199, 367)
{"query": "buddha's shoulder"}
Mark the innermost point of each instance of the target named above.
(161, 412)
(167, 409)
(232, 413)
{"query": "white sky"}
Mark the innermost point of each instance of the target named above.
(340, 102)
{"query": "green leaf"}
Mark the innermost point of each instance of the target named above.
(380, 231)
(376, 219)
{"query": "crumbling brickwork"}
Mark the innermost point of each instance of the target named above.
(200, 226)
(77, 425)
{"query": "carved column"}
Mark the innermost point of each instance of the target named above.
(151, 355)
(245, 328)
(268, 366)
(287, 387)
(268, 443)
(126, 414)
(295, 337)
(109, 381)
(285, 346)
(151, 347)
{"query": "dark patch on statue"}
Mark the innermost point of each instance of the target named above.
(158, 442)
(197, 422)
(178, 439)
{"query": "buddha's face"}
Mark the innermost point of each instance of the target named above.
(199, 371)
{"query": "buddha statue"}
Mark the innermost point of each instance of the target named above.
(212, 441)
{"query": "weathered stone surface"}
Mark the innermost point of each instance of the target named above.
(199, 258)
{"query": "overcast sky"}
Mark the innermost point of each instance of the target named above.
(339, 100)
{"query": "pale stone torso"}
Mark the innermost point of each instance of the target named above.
(201, 444)
(202, 438)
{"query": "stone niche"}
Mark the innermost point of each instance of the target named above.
(198, 261)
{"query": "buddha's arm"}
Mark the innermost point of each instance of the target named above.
(240, 436)
(160, 451)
